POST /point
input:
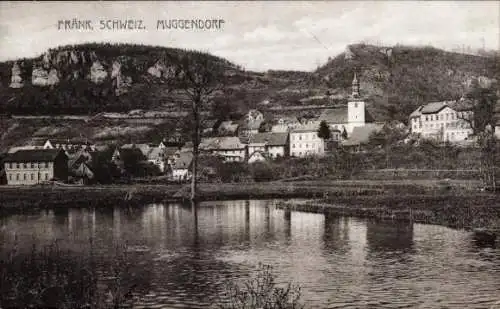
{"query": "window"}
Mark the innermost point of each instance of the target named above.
(293, 146)
(46, 164)
(32, 176)
(17, 165)
(25, 165)
(9, 165)
(10, 176)
(17, 176)
(426, 118)
(46, 176)
(32, 165)
(356, 105)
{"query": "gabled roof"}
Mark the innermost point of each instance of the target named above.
(433, 107)
(225, 142)
(270, 138)
(35, 155)
(184, 161)
(155, 153)
(417, 112)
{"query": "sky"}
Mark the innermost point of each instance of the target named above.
(284, 35)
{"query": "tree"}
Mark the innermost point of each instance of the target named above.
(324, 131)
(344, 134)
(483, 101)
(198, 76)
(482, 123)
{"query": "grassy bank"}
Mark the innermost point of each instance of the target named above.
(466, 211)
(20, 198)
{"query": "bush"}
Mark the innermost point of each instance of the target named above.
(261, 292)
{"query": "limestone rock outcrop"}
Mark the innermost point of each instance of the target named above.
(16, 81)
(97, 73)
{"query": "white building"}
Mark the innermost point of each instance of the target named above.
(304, 141)
(444, 121)
(347, 118)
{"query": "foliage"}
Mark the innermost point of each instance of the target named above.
(261, 292)
(49, 277)
(483, 102)
(324, 131)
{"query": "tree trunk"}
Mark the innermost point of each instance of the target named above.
(196, 142)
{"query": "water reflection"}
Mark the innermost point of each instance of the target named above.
(186, 253)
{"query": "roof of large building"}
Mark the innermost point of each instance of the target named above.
(436, 107)
(269, 138)
(34, 155)
(225, 142)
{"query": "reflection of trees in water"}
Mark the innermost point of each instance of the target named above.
(389, 238)
(336, 234)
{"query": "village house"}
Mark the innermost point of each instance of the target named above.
(304, 141)
(29, 167)
(443, 121)
(274, 145)
(228, 128)
(343, 120)
(229, 148)
(181, 169)
(79, 169)
(250, 124)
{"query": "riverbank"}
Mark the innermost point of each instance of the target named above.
(464, 211)
(370, 198)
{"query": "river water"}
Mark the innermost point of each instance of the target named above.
(185, 257)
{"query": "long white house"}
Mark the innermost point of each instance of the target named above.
(444, 121)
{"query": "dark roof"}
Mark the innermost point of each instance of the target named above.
(270, 138)
(433, 107)
(34, 155)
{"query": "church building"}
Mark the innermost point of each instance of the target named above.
(343, 120)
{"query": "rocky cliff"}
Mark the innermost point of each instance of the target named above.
(92, 78)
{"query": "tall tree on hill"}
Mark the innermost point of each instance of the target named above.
(199, 76)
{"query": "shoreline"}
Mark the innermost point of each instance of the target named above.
(457, 204)
(458, 212)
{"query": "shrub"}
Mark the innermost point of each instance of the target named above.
(261, 292)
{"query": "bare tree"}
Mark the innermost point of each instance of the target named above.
(198, 77)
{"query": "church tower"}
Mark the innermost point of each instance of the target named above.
(355, 107)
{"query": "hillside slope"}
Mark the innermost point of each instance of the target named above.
(398, 79)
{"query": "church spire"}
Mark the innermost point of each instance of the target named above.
(355, 86)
